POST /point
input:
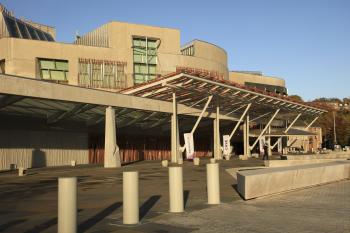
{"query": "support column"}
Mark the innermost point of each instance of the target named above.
(174, 133)
(217, 142)
(268, 141)
(246, 136)
(111, 156)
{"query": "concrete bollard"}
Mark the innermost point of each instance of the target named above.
(73, 163)
(176, 197)
(131, 197)
(67, 205)
(212, 160)
(180, 161)
(21, 171)
(213, 183)
(165, 163)
(196, 161)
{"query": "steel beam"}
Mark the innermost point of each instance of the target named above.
(240, 120)
(288, 128)
(312, 122)
(201, 115)
(264, 130)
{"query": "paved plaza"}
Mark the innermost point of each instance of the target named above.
(29, 204)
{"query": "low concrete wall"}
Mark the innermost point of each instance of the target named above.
(288, 163)
(262, 182)
(338, 155)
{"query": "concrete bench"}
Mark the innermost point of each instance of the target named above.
(262, 182)
(288, 163)
(341, 155)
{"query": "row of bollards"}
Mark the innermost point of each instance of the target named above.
(67, 196)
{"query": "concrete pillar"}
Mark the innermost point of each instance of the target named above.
(67, 205)
(176, 197)
(112, 156)
(131, 197)
(213, 183)
(217, 142)
(246, 136)
(174, 133)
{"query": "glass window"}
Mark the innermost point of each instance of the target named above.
(41, 35)
(33, 33)
(12, 27)
(53, 69)
(47, 64)
(62, 65)
(58, 75)
(49, 37)
(23, 30)
(45, 74)
(101, 74)
(152, 69)
(145, 59)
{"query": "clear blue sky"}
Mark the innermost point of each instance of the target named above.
(306, 42)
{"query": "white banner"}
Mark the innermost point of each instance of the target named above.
(227, 145)
(189, 145)
(261, 145)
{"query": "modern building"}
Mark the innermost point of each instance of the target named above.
(56, 96)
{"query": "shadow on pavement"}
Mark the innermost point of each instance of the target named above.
(186, 196)
(147, 205)
(86, 225)
(7, 225)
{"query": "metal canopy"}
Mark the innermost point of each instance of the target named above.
(282, 133)
(192, 88)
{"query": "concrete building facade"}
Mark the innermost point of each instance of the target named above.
(60, 92)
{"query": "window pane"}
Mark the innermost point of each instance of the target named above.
(136, 42)
(137, 68)
(143, 69)
(152, 59)
(138, 58)
(48, 37)
(11, 27)
(23, 30)
(139, 78)
(152, 44)
(58, 75)
(152, 69)
(142, 42)
(41, 35)
(33, 33)
(45, 74)
(45, 64)
(62, 65)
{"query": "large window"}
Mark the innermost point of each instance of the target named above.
(102, 74)
(145, 59)
(53, 69)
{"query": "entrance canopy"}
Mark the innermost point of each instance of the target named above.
(192, 88)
